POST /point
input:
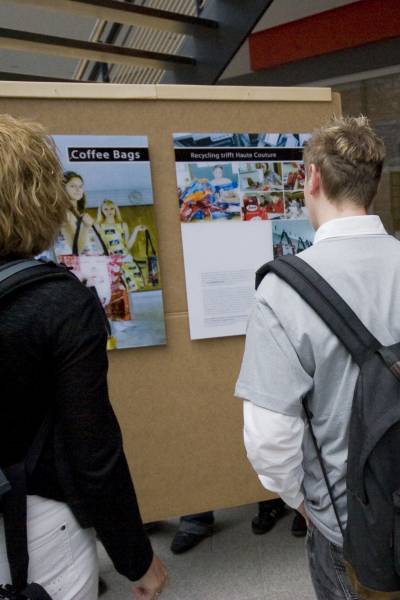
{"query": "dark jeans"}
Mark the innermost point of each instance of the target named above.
(201, 523)
(327, 570)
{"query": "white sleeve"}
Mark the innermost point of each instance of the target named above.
(274, 448)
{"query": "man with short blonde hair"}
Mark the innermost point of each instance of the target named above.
(291, 353)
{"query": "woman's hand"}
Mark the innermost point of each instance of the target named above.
(140, 228)
(87, 220)
(152, 582)
(134, 235)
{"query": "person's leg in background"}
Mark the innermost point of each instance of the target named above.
(327, 570)
(192, 530)
(299, 525)
(269, 513)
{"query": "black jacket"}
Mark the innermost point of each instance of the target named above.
(53, 357)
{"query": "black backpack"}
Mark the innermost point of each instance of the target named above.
(372, 537)
(14, 276)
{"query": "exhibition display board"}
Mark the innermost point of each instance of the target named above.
(182, 426)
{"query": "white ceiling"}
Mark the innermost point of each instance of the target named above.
(36, 20)
(26, 18)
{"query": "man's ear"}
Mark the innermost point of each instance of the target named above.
(314, 179)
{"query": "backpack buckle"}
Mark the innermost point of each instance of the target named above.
(391, 357)
(395, 369)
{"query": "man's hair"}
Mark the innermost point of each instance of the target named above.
(33, 202)
(349, 156)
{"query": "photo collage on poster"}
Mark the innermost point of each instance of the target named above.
(250, 186)
(240, 185)
(109, 238)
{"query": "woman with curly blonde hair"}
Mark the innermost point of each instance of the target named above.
(53, 369)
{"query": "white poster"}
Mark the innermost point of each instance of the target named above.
(241, 202)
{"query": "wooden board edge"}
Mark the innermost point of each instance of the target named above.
(20, 89)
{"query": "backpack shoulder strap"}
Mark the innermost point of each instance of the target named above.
(14, 267)
(15, 509)
(20, 273)
(336, 314)
(326, 302)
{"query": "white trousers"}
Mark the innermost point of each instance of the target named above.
(62, 555)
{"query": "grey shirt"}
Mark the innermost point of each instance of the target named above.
(290, 352)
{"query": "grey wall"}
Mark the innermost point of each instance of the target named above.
(280, 11)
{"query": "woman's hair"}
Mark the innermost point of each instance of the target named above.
(81, 204)
(349, 156)
(101, 216)
(33, 202)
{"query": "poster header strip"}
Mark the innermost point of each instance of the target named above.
(116, 91)
(101, 154)
(237, 154)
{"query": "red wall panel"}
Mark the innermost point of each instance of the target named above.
(349, 26)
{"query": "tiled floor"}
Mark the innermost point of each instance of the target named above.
(233, 564)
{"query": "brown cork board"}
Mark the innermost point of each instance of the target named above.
(182, 426)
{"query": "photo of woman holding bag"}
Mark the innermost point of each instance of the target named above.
(78, 234)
